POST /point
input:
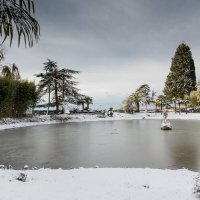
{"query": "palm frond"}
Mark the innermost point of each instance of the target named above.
(16, 14)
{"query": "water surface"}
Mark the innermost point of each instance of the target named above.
(131, 143)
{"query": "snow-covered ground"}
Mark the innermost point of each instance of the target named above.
(98, 184)
(47, 119)
(125, 116)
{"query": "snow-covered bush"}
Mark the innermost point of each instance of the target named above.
(22, 177)
(197, 186)
(60, 117)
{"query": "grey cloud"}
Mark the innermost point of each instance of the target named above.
(126, 29)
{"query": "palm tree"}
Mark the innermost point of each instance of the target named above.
(194, 98)
(144, 91)
(11, 72)
(198, 91)
(162, 100)
(179, 101)
(157, 103)
(128, 105)
(17, 14)
(81, 101)
(88, 101)
(6, 72)
(186, 102)
(136, 98)
(15, 72)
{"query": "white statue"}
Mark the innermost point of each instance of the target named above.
(165, 124)
(165, 115)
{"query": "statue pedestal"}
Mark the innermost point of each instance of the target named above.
(166, 126)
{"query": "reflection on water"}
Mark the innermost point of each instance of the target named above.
(134, 143)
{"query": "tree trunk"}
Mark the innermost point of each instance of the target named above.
(56, 93)
(49, 100)
(161, 106)
(83, 106)
(146, 107)
(63, 88)
(175, 106)
(186, 108)
(179, 108)
(138, 107)
(63, 94)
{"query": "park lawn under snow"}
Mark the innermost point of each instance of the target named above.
(8, 123)
(98, 184)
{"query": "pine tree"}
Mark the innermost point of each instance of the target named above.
(60, 82)
(48, 79)
(67, 85)
(181, 79)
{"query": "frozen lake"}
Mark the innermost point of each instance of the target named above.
(131, 143)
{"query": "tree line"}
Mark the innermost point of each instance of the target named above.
(16, 95)
(180, 85)
(59, 84)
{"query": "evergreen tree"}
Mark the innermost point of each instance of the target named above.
(47, 79)
(181, 79)
(60, 82)
(67, 86)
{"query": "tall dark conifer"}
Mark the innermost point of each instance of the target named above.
(181, 79)
(47, 82)
(60, 82)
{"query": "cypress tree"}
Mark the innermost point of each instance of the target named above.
(181, 79)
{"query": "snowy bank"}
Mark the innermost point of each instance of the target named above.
(8, 123)
(98, 184)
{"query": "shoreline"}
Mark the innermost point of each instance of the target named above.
(9, 123)
(98, 183)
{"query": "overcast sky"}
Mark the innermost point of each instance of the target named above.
(116, 44)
